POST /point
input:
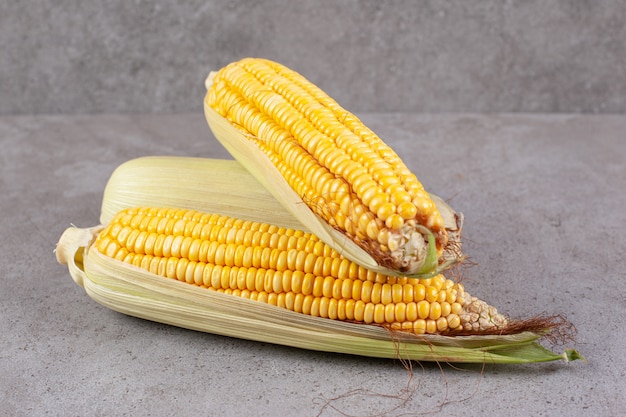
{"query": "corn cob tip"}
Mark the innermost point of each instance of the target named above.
(415, 251)
(479, 317)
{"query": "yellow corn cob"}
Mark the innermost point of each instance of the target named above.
(287, 268)
(343, 172)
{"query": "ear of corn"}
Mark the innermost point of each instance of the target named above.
(329, 170)
(287, 268)
(112, 265)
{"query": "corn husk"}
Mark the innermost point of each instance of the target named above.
(135, 292)
(260, 166)
(211, 185)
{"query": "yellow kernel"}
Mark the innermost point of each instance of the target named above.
(423, 309)
(411, 311)
(359, 310)
(337, 289)
(298, 302)
(397, 293)
(372, 230)
(388, 179)
(346, 288)
(431, 326)
(386, 294)
(442, 324)
(445, 309)
(330, 309)
(432, 294)
(241, 278)
(364, 220)
(419, 326)
(132, 236)
(170, 268)
(315, 307)
(306, 304)
(275, 282)
(280, 300)
(394, 222)
(376, 295)
(370, 194)
(341, 310)
(225, 278)
(383, 236)
(407, 210)
(385, 211)
(399, 312)
(262, 297)
(419, 292)
(111, 249)
(327, 287)
(435, 310)
(259, 280)
(368, 313)
(407, 293)
(453, 321)
(390, 313)
(366, 291)
(357, 286)
(406, 326)
(379, 313)
(290, 298)
(456, 308)
(376, 202)
(307, 284)
(400, 197)
(350, 307)
(318, 286)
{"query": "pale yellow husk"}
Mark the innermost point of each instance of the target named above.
(211, 185)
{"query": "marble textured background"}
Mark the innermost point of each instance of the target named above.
(124, 56)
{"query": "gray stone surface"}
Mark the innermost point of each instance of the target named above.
(544, 204)
(472, 56)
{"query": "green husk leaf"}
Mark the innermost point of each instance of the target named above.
(133, 291)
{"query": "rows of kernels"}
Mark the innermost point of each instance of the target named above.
(307, 177)
(369, 313)
(412, 191)
(350, 291)
(337, 142)
(226, 266)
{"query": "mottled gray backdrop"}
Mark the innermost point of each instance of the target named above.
(121, 56)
